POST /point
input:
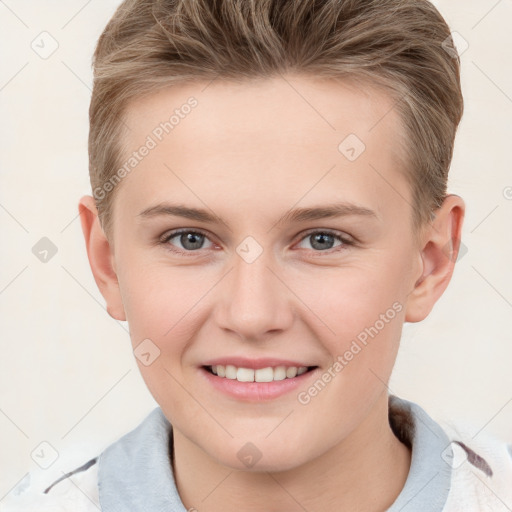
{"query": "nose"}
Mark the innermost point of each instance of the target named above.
(255, 302)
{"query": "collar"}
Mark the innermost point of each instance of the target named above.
(135, 472)
(428, 483)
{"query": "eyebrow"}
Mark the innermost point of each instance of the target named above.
(295, 215)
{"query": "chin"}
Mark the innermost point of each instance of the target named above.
(260, 457)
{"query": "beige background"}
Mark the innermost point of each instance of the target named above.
(67, 373)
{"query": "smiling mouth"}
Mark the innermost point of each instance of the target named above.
(268, 374)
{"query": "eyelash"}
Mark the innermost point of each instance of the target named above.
(164, 240)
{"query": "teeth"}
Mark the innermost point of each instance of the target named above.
(280, 373)
(264, 375)
(245, 375)
(230, 371)
(291, 372)
(268, 374)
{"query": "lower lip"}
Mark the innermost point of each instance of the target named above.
(256, 391)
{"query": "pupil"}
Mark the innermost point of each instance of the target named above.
(191, 238)
(320, 240)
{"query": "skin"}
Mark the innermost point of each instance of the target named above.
(249, 153)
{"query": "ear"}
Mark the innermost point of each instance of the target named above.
(101, 257)
(439, 250)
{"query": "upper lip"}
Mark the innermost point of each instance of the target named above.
(244, 362)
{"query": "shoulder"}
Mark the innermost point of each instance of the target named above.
(481, 471)
(74, 483)
(75, 491)
(464, 469)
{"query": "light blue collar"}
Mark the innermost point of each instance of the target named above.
(428, 483)
(135, 472)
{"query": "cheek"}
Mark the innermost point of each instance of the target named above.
(158, 301)
(363, 309)
(163, 311)
(160, 319)
(351, 299)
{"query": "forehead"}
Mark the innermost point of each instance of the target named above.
(266, 142)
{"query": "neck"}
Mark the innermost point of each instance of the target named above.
(365, 471)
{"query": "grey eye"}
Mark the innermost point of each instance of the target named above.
(322, 241)
(191, 240)
(188, 240)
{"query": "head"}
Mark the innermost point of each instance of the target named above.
(264, 116)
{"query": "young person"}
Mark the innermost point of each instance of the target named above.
(269, 207)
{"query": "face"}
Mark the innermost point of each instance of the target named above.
(254, 240)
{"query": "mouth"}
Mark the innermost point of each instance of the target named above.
(256, 379)
(267, 374)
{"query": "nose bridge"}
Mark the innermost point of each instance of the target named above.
(254, 300)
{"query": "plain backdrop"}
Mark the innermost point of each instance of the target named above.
(68, 377)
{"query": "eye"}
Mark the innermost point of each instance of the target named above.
(323, 240)
(191, 241)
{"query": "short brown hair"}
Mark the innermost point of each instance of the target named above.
(403, 46)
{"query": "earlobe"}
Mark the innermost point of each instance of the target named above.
(439, 251)
(100, 258)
